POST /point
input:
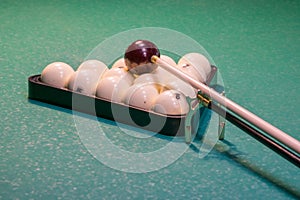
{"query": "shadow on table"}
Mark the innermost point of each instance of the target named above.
(227, 149)
(107, 121)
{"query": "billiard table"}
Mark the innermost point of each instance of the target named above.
(48, 152)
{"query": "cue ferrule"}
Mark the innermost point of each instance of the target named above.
(154, 59)
(203, 99)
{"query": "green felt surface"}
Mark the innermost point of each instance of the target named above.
(256, 46)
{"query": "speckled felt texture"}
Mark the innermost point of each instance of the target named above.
(256, 46)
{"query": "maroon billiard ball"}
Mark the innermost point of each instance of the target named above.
(138, 57)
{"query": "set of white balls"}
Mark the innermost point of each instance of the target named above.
(159, 90)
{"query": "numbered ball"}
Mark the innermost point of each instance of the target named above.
(138, 57)
(57, 74)
(113, 88)
(171, 102)
(141, 96)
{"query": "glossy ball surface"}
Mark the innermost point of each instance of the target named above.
(197, 74)
(113, 88)
(84, 81)
(120, 72)
(183, 87)
(141, 95)
(57, 74)
(147, 78)
(119, 63)
(163, 75)
(198, 61)
(171, 102)
(94, 65)
(168, 59)
(138, 56)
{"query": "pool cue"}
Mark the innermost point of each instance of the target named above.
(257, 134)
(289, 143)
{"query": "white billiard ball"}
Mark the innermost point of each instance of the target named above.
(95, 65)
(119, 63)
(141, 95)
(168, 59)
(171, 102)
(84, 81)
(192, 72)
(163, 75)
(57, 74)
(121, 72)
(199, 61)
(113, 88)
(147, 78)
(171, 81)
(183, 87)
(150, 78)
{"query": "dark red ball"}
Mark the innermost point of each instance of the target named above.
(140, 53)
